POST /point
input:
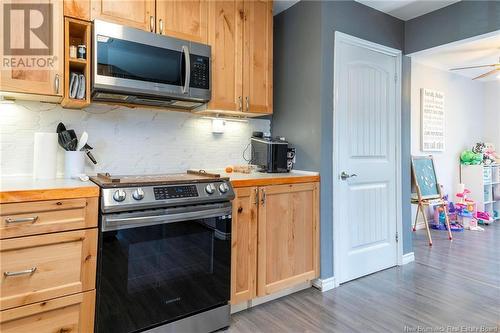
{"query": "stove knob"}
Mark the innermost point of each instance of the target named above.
(223, 188)
(138, 194)
(210, 189)
(119, 195)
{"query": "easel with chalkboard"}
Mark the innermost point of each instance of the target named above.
(428, 191)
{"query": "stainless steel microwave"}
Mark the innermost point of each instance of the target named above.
(140, 67)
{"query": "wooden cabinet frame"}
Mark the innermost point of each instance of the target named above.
(251, 275)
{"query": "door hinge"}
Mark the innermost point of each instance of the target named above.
(397, 237)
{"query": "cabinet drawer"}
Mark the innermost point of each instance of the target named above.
(39, 217)
(37, 268)
(73, 314)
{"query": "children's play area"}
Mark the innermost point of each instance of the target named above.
(456, 138)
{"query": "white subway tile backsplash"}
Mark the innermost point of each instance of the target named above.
(125, 141)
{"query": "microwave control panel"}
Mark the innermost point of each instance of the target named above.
(200, 68)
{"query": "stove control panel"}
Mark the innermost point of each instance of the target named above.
(158, 196)
(175, 192)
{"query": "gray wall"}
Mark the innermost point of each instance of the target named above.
(452, 23)
(303, 88)
(297, 69)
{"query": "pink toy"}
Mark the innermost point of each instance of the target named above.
(483, 217)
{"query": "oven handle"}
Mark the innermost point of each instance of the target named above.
(117, 223)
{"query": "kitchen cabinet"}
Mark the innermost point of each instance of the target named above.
(244, 244)
(46, 78)
(187, 19)
(138, 14)
(48, 259)
(258, 56)
(287, 236)
(78, 9)
(241, 36)
(275, 239)
(226, 38)
(74, 313)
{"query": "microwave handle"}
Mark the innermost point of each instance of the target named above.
(187, 61)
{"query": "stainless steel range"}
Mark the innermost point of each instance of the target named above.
(164, 253)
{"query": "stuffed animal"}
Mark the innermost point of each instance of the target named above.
(468, 157)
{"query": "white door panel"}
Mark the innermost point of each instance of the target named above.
(366, 139)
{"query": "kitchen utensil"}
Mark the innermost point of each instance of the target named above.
(72, 144)
(89, 154)
(60, 128)
(83, 141)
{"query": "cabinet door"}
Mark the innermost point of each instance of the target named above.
(287, 236)
(133, 13)
(79, 9)
(244, 245)
(74, 313)
(187, 19)
(33, 72)
(258, 56)
(37, 268)
(225, 35)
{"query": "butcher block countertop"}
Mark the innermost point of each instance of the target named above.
(22, 189)
(262, 179)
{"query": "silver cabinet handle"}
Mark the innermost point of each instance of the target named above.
(256, 196)
(240, 103)
(17, 273)
(247, 100)
(263, 200)
(56, 83)
(151, 23)
(344, 175)
(160, 23)
(21, 220)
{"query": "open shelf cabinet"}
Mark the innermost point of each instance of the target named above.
(76, 32)
(484, 183)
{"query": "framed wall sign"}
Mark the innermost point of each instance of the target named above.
(432, 130)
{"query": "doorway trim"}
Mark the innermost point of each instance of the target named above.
(345, 38)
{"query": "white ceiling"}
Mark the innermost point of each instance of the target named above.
(407, 9)
(281, 5)
(483, 50)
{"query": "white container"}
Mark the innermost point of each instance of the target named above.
(74, 164)
(45, 156)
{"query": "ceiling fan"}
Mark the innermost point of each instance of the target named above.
(496, 69)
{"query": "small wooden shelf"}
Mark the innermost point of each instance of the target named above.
(76, 32)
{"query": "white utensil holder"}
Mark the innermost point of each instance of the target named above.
(74, 164)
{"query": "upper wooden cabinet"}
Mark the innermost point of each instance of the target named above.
(45, 75)
(79, 9)
(241, 36)
(225, 35)
(258, 56)
(133, 13)
(187, 19)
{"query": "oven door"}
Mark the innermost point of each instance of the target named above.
(160, 265)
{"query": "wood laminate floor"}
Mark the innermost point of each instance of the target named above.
(451, 287)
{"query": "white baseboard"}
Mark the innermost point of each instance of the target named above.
(324, 284)
(408, 257)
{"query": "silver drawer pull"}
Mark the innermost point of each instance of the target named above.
(25, 272)
(21, 220)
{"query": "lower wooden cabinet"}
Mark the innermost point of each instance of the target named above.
(74, 313)
(37, 268)
(244, 244)
(275, 239)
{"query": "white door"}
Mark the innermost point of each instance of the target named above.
(366, 120)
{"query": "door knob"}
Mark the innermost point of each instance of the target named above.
(344, 175)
